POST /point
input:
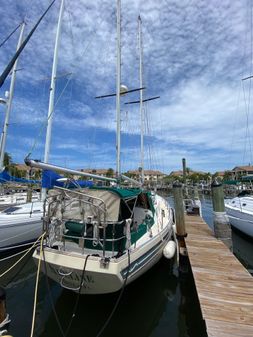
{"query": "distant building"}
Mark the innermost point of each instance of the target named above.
(149, 175)
(241, 171)
(99, 172)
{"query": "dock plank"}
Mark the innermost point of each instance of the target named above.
(224, 286)
(232, 329)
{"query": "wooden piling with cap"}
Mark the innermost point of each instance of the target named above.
(222, 228)
(180, 226)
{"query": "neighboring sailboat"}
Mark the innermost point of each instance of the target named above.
(102, 238)
(14, 198)
(23, 224)
(240, 213)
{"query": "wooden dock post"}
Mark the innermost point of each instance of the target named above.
(222, 228)
(180, 226)
(29, 194)
(195, 192)
(29, 191)
(185, 191)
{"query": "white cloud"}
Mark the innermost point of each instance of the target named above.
(195, 54)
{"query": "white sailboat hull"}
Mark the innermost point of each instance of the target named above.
(240, 213)
(20, 233)
(67, 268)
(20, 226)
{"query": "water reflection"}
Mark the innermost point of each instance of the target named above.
(19, 285)
(142, 305)
(243, 249)
(160, 303)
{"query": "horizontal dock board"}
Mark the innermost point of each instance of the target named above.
(224, 286)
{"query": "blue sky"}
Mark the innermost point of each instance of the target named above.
(195, 56)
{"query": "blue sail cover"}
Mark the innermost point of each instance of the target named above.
(5, 177)
(49, 180)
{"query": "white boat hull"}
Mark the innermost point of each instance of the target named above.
(67, 268)
(18, 234)
(20, 226)
(240, 213)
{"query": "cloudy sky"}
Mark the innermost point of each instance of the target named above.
(196, 54)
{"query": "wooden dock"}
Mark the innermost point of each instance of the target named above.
(224, 286)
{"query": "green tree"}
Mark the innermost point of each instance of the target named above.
(227, 176)
(188, 170)
(7, 160)
(110, 173)
(194, 177)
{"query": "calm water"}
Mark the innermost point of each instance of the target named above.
(161, 303)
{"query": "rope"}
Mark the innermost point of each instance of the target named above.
(7, 38)
(51, 297)
(9, 269)
(118, 300)
(11, 256)
(52, 302)
(37, 284)
(78, 296)
(18, 271)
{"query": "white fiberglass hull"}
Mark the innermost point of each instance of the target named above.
(240, 213)
(16, 234)
(67, 268)
(20, 226)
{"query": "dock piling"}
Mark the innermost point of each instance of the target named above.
(185, 189)
(195, 192)
(180, 226)
(222, 228)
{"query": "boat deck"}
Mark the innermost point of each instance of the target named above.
(224, 286)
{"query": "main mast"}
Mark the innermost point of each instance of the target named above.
(118, 82)
(52, 92)
(9, 101)
(141, 98)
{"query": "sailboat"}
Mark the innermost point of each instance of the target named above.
(7, 199)
(22, 224)
(240, 213)
(99, 239)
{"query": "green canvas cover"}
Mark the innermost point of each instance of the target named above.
(123, 193)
